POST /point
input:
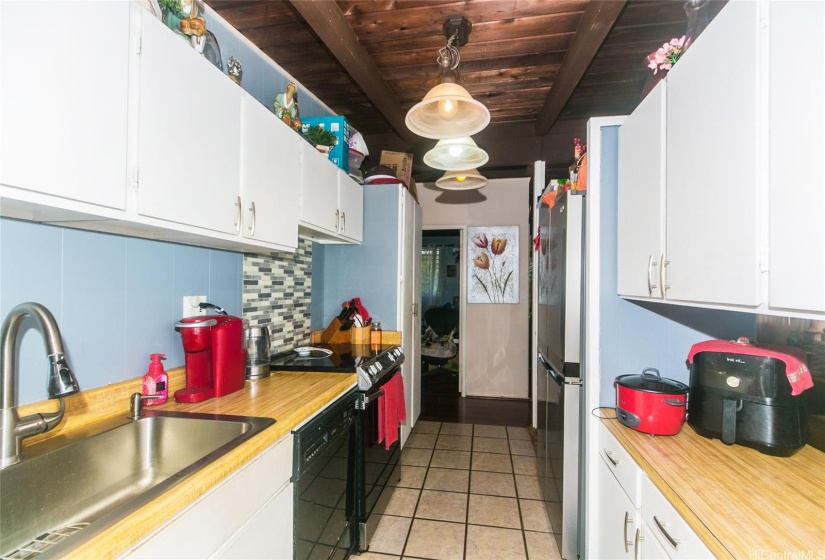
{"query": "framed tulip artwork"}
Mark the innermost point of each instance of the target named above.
(492, 264)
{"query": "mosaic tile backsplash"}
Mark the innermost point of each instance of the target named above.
(277, 290)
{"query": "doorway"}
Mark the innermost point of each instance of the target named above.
(441, 297)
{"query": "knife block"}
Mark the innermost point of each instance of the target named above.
(332, 331)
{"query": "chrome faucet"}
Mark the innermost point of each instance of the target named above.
(62, 382)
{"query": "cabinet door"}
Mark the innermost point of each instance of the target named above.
(268, 534)
(714, 134)
(190, 131)
(271, 177)
(64, 103)
(649, 548)
(641, 210)
(351, 205)
(319, 190)
(617, 518)
(797, 168)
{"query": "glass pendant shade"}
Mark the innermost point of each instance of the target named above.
(465, 180)
(456, 154)
(447, 111)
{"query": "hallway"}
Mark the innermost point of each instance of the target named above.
(467, 492)
(441, 402)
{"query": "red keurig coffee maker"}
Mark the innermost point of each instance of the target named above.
(215, 356)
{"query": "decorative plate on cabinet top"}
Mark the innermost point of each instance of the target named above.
(212, 51)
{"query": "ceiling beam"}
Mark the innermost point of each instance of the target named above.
(596, 22)
(327, 20)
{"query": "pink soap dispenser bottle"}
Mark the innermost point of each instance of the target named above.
(156, 381)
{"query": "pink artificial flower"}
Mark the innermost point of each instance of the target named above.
(480, 240)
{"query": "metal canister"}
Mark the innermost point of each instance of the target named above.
(257, 352)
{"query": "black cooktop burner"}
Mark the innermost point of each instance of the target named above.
(344, 358)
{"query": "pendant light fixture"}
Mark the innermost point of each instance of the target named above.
(465, 180)
(456, 154)
(448, 110)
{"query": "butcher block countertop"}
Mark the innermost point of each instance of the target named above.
(740, 502)
(289, 397)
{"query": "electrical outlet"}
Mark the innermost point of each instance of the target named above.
(190, 306)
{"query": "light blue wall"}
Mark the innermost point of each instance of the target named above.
(260, 79)
(115, 298)
(368, 271)
(639, 335)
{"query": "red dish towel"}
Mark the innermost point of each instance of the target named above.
(391, 410)
(795, 367)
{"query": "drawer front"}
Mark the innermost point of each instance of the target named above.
(623, 467)
(668, 527)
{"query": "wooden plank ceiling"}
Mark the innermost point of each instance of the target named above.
(515, 56)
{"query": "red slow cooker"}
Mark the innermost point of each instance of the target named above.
(650, 404)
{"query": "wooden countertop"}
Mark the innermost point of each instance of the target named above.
(741, 503)
(289, 397)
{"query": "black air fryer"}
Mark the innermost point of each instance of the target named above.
(746, 400)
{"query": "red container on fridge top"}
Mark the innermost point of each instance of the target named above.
(651, 404)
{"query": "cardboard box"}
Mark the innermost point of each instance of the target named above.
(339, 155)
(399, 162)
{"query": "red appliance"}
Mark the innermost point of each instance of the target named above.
(215, 356)
(651, 404)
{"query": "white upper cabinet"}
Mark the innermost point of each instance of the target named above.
(64, 97)
(351, 204)
(715, 138)
(190, 132)
(641, 230)
(319, 191)
(797, 166)
(270, 157)
(332, 203)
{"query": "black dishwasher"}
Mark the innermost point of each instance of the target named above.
(323, 468)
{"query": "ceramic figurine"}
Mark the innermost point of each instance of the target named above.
(233, 67)
(286, 106)
(184, 18)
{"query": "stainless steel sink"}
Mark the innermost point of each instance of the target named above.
(81, 485)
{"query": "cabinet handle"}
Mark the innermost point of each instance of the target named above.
(663, 287)
(610, 457)
(627, 519)
(337, 219)
(343, 221)
(638, 538)
(240, 212)
(661, 526)
(252, 226)
(650, 285)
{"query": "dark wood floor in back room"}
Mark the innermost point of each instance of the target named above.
(441, 402)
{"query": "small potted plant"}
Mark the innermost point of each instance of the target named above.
(322, 139)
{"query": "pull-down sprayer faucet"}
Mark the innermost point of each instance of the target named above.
(62, 382)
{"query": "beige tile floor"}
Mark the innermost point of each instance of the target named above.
(467, 492)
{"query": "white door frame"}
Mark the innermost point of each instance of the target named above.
(462, 307)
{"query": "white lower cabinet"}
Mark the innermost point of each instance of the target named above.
(618, 519)
(634, 519)
(669, 529)
(248, 515)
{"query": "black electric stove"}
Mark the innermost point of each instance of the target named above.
(371, 363)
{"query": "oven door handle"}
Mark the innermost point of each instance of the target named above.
(363, 401)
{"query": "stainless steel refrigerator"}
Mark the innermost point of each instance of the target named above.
(558, 340)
